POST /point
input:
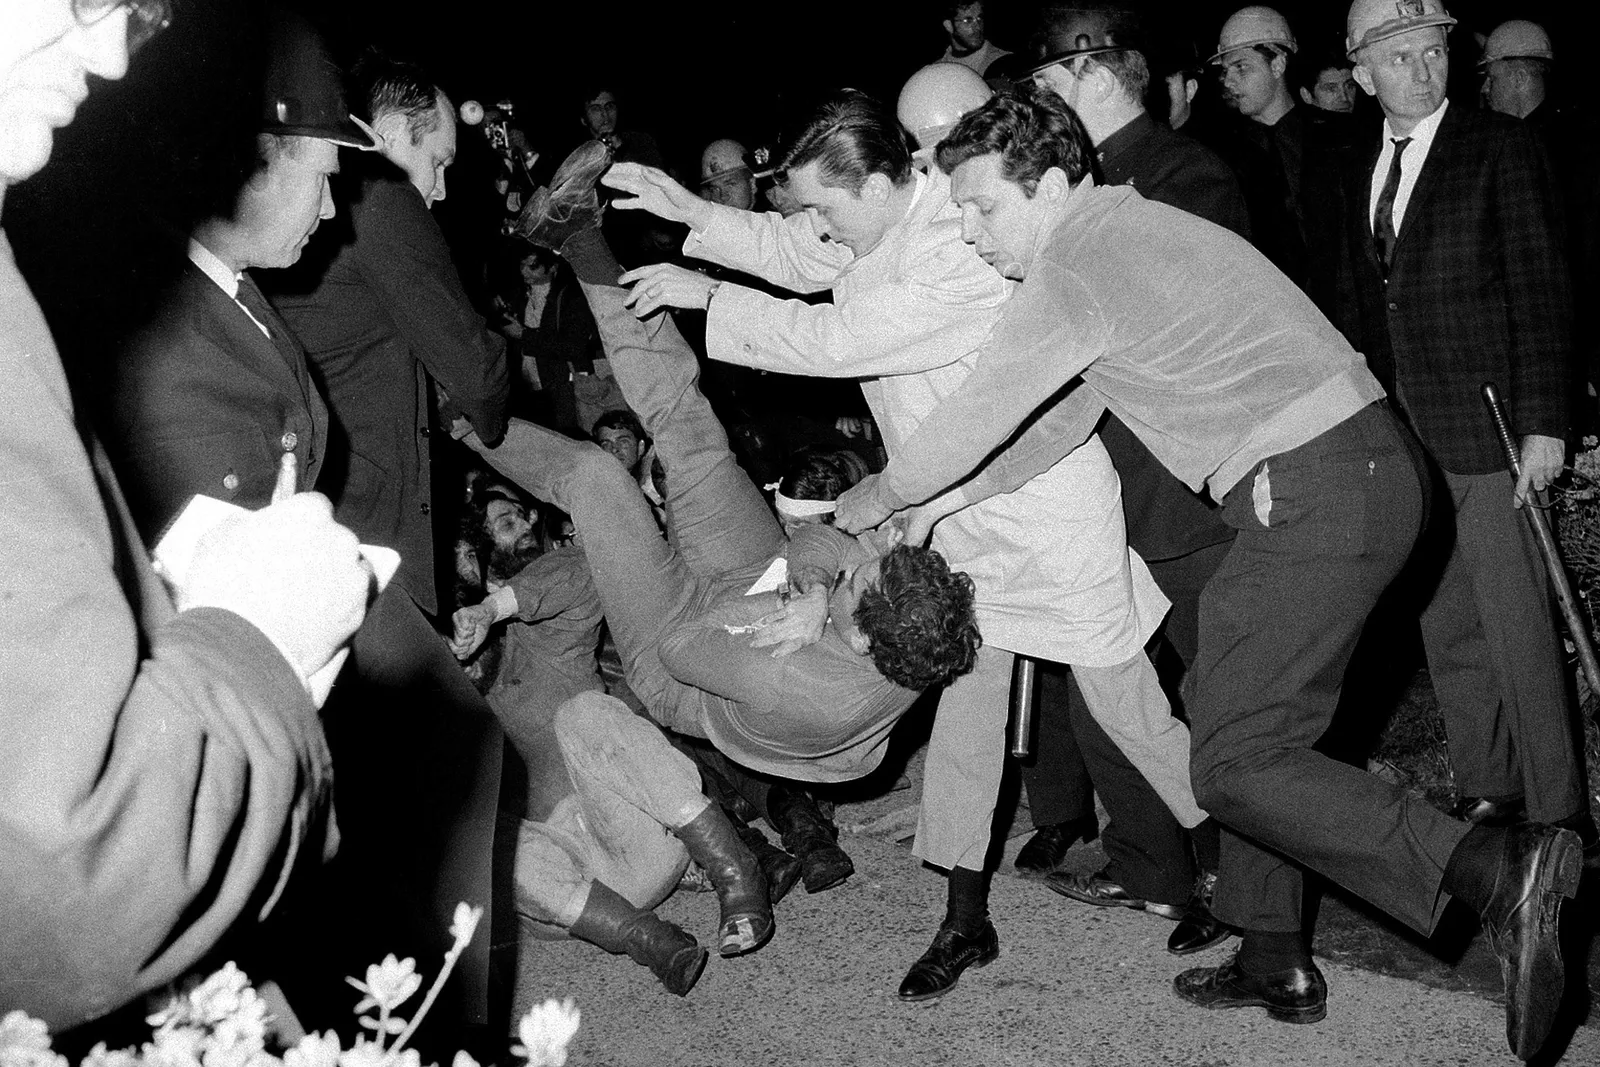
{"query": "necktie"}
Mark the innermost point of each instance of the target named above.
(1383, 234)
(253, 300)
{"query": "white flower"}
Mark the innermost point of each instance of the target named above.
(19, 1031)
(25, 1042)
(463, 1059)
(222, 995)
(100, 1056)
(465, 923)
(389, 984)
(314, 1050)
(175, 1046)
(364, 1054)
(545, 1032)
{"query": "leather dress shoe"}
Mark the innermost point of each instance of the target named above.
(1045, 850)
(1102, 892)
(1539, 867)
(1481, 811)
(1297, 995)
(1199, 928)
(951, 953)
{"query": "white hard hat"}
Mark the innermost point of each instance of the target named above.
(1517, 39)
(1371, 21)
(1251, 26)
(722, 157)
(935, 97)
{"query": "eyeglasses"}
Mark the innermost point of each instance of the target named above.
(969, 20)
(146, 18)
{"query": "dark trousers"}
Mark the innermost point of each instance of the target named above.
(1323, 529)
(417, 757)
(1493, 654)
(1074, 758)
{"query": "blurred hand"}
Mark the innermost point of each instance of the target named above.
(1542, 461)
(472, 625)
(662, 285)
(290, 571)
(859, 508)
(850, 426)
(655, 191)
(798, 624)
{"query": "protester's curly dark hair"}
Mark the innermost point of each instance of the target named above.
(919, 618)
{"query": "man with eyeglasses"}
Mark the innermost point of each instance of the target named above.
(129, 845)
(968, 46)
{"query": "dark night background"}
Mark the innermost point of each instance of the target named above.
(150, 154)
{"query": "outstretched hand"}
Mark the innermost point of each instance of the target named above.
(664, 285)
(655, 191)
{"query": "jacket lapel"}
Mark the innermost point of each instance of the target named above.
(1440, 160)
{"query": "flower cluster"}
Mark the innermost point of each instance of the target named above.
(223, 1022)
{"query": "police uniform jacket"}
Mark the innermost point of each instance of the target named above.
(206, 403)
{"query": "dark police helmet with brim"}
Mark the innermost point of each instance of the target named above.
(1067, 32)
(303, 94)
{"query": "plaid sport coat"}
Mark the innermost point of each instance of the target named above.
(1477, 292)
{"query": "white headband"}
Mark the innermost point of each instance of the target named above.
(799, 509)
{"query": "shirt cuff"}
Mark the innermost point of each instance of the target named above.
(504, 602)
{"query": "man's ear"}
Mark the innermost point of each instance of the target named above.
(949, 27)
(1191, 88)
(1053, 185)
(1279, 64)
(1306, 96)
(392, 129)
(876, 188)
(1363, 78)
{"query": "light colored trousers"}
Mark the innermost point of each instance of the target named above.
(967, 750)
(631, 789)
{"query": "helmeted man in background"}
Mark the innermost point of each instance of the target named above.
(1454, 275)
(1284, 153)
(128, 849)
(1518, 67)
(725, 175)
(1094, 59)
(969, 43)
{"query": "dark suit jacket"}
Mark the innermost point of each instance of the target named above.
(1477, 291)
(204, 403)
(379, 314)
(1165, 518)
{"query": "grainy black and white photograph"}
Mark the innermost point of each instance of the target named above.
(1015, 533)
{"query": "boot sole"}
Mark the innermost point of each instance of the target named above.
(1530, 1015)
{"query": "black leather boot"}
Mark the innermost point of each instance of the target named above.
(810, 836)
(782, 870)
(741, 887)
(618, 927)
